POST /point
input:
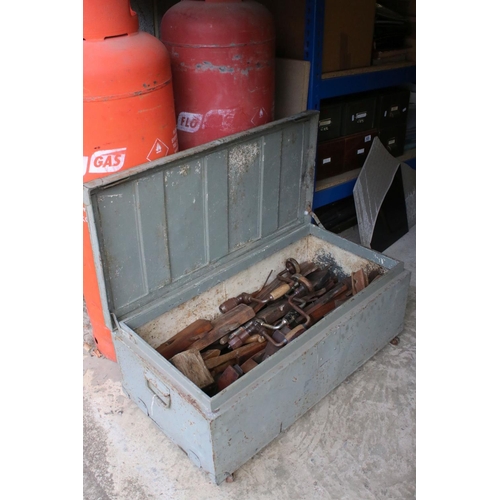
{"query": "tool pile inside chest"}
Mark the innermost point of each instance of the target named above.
(253, 326)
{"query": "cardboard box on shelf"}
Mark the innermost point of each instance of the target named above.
(348, 34)
(348, 31)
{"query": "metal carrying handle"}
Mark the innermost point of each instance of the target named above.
(162, 394)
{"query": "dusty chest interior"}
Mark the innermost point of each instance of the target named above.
(341, 265)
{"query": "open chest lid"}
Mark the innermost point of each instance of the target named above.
(160, 230)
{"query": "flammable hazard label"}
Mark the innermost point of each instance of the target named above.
(158, 150)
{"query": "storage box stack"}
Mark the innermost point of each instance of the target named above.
(411, 122)
(346, 131)
(392, 113)
(348, 125)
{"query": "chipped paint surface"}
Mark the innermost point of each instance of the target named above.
(241, 157)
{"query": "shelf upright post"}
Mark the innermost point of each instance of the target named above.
(313, 49)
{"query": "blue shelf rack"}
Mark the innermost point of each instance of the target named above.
(342, 83)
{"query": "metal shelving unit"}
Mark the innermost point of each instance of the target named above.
(323, 86)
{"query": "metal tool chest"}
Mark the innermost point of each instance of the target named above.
(174, 238)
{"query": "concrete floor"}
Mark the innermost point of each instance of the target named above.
(357, 443)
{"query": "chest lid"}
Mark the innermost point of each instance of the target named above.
(160, 227)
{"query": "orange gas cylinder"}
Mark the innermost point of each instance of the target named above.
(222, 54)
(128, 114)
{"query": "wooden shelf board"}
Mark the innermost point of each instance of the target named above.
(337, 180)
(367, 69)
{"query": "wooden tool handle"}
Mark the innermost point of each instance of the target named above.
(296, 332)
(279, 291)
(229, 375)
(249, 349)
(229, 304)
(326, 303)
(274, 312)
(224, 324)
(183, 339)
(212, 353)
(248, 365)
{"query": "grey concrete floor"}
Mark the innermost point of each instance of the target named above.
(357, 443)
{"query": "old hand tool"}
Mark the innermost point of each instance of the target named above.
(269, 315)
(225, 324)
(273, 291)
(265, 320)
(246, 351)
(324, 304)
(191, 364)
(306, 286)
(282, 337)
(183, 339)
(229, 375)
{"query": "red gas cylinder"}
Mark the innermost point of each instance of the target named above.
(128, 114)
(222, 54)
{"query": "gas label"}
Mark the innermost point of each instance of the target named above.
(189, 122)
(158, 150)
(107, 161)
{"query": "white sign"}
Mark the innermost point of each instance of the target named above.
(189, 122)
(110, 160)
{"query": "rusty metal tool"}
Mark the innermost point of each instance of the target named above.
(283, 337)
(263, 322)
(269, 315)
(305, 286)
(271, 292)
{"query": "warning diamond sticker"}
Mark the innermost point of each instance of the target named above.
(158, 150)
